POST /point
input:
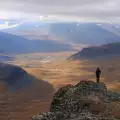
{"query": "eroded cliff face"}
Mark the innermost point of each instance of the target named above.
(87, 99)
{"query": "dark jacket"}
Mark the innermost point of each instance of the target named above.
(98, 72)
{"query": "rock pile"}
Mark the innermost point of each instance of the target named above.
(86, 100)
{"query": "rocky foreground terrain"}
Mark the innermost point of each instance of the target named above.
(87, 100)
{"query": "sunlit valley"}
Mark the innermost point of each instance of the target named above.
(54, 65)
(49, 53)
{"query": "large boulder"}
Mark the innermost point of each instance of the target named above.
(84, 97)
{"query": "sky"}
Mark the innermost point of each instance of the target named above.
(61, 10)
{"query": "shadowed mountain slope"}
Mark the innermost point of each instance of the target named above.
(22, 94)
(110, 49)
(14, 77)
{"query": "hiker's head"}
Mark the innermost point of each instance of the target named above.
(98, 68)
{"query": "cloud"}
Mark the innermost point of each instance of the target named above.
(84, 10)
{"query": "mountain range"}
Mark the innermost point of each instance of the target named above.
(14, 44)
(85, 33)
(30, 37)
(68, 32)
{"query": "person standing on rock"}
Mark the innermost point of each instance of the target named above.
(98, 73)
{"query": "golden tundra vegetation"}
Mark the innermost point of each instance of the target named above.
(60, 72)
(57, 72)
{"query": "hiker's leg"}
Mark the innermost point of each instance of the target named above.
(97, 79)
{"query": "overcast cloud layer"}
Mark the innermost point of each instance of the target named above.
(85, 10)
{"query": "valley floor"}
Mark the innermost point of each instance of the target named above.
(58, 72)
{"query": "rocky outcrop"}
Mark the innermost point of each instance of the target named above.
(86, 100)
(49, 116)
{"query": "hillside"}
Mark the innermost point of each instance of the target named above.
(14, 77)
(111, 49)
(14, 44)
(22, 94)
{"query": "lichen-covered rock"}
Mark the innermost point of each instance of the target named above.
(49, 116)
(113, 96)
(73, 98)
(89, 116)
(85, 97)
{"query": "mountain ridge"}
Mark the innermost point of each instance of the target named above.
(20, 45)
(106, 50)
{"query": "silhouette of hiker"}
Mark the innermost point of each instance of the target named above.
(98, 72)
